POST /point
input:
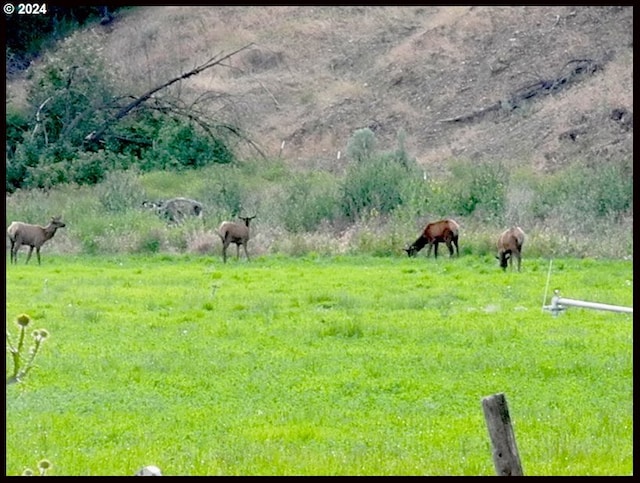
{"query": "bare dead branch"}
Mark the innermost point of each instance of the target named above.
(39, 122)
(96, 136)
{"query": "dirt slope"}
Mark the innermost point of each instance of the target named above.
(529, 84)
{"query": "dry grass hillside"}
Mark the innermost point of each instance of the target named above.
(529, 84)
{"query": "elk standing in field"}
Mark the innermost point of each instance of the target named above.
(509, 246)
(230, 232)
(33, 236)
(443, 231)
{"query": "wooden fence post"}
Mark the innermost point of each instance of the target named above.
(505, 451)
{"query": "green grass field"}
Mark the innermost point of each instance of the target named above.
(318, 366)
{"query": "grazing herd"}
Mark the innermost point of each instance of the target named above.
(176, 210)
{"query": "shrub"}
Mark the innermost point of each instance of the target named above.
(361, 145)
(375, 181)
(181, 145)
(609, 188)
(478, 188)
(307, 203)
(150, 242)
(120, 191)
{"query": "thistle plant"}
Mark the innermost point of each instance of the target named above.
(43, 467)
(23, 364)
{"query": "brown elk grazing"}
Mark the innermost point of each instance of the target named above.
(509, 246)
(237, 233)
(33, 236)
(443, 231)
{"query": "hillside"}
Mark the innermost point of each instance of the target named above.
(532, 87)
(536, 85)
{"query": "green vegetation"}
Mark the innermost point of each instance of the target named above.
(376, 207)
(382, 199)
(22, 360)
(79, 123)
(331, 353)
(346, 365)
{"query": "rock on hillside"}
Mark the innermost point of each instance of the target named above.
(527, 84)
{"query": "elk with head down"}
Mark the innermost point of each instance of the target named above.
(509, 246)
(444, 231)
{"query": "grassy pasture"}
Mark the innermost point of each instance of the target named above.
(338, 365)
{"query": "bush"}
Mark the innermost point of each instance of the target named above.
(478, 188)
(361, 145)
(380, 182)
(150, 242)
(180, 145)
(120, 191)
(609, 188)
(307, 203)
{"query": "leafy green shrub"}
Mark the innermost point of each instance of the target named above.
(478, 188)
(376, 184)
(17, 123)
(229, 195)
(307, 202)
(66, 96)
(361, 145)
(66, 89)
(150, 242)
(375, 181)
(609, 188)
(26, 155)
(180, 145)
(120, 191)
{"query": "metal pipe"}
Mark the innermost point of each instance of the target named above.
(555, 301)
(558, 304)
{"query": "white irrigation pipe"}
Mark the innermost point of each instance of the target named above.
(560, 303)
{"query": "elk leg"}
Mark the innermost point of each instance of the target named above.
(224, 251)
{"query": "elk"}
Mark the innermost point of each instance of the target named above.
(33, 236)
(230, 232)
(509, 246)
(176, 210)
(442, 231)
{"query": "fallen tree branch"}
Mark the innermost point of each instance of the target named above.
(96, 136)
